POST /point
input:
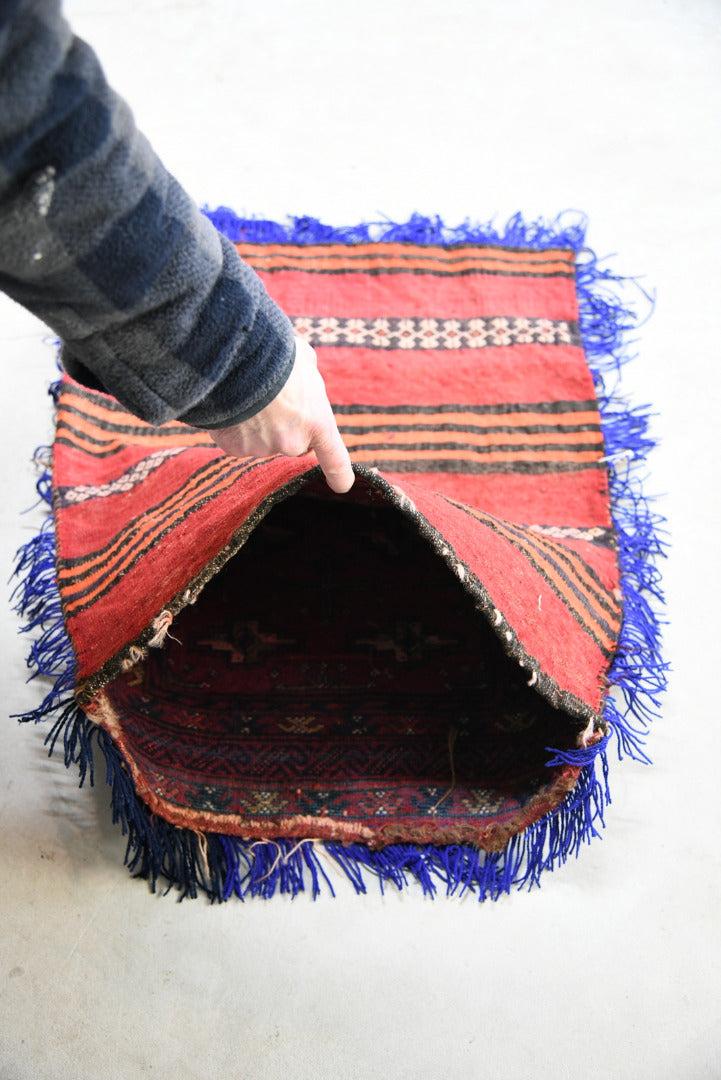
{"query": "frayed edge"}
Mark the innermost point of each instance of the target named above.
(638, 675)
(223, 867)
(567, 230)
(36, 600)
(459, 869)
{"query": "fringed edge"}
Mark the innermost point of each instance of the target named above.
(638, 674)
(37, 600)
(567, 230)
(226, 866)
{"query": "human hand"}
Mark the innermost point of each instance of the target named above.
(298, 420)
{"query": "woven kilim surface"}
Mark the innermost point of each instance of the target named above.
(268, 666)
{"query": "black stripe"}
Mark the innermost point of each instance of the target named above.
(93, 453)
(539, 429)
(604, 537)
(571, 273)
(553, 407)
(476, 466)
(82, 436)
(472, 448)
(169, 430)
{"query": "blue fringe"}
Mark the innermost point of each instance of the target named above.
(567, 230)
(225, 866)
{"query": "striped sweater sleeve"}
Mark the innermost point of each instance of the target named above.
(102, 243)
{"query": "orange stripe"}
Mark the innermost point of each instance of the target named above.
(356, 265)
(476, 438)
(96, 410)
(121, 439)
(464, 455)
(87, 427)
(65, 432)
(196, 439)
(567, 594)
(401, 252)
(515, 419)
(97, 407)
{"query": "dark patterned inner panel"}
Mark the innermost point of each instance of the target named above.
(337, 651)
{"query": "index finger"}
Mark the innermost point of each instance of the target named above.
(333, 457)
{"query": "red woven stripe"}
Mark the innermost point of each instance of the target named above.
(410, 296)
(526, 373)
(573, 499)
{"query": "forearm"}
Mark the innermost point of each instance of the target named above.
(102, 244)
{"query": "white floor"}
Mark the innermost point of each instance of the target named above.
(465, 108)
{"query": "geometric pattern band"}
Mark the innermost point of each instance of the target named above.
(478, 333)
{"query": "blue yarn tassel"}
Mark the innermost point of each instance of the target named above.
(224, 866)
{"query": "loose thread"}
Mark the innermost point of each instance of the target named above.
(452, 736)
(202, 840)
